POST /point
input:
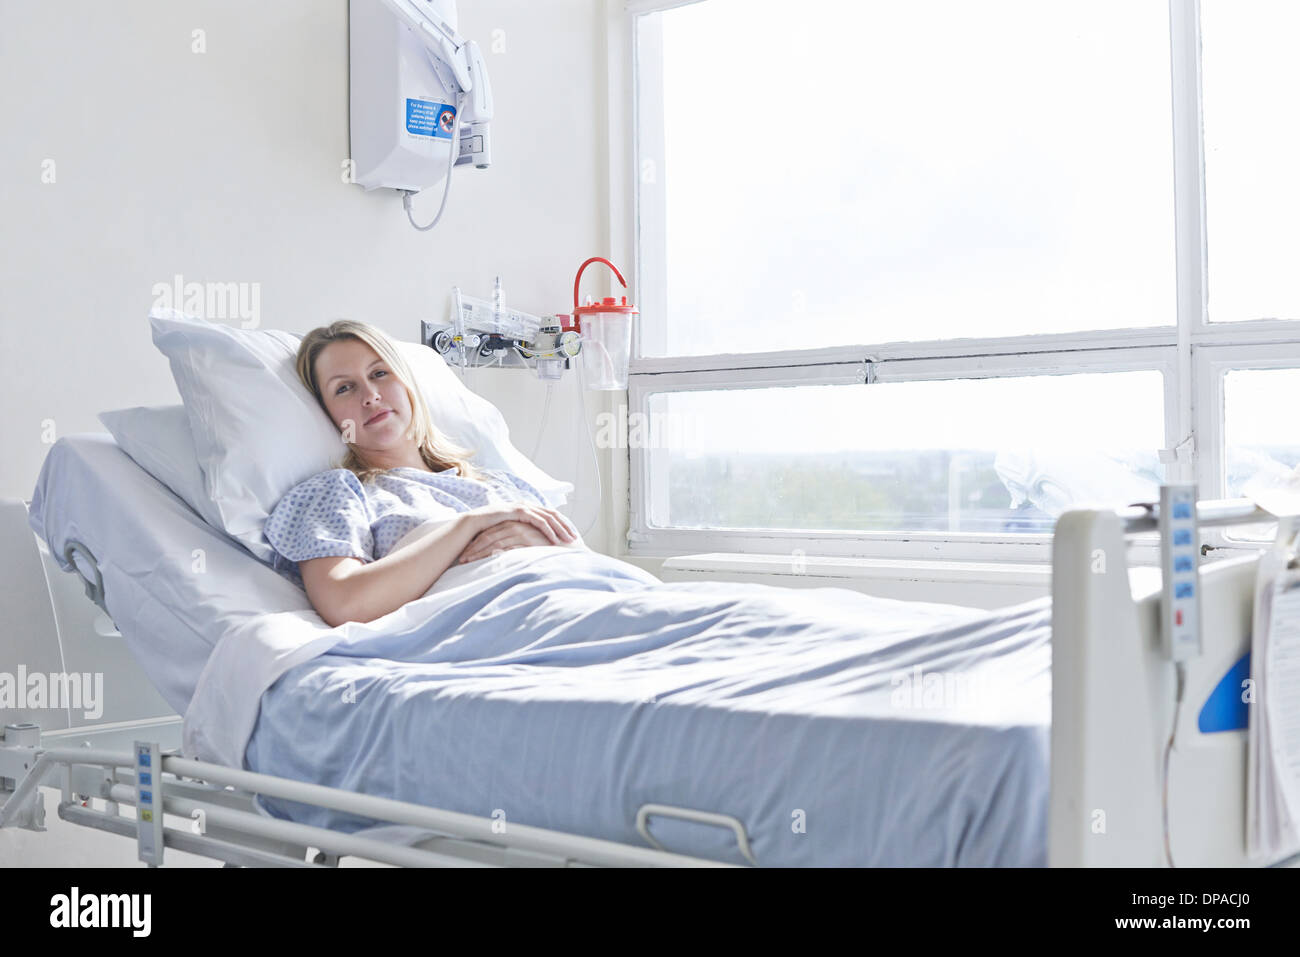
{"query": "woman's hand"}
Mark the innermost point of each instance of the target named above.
(501, 537)
(550, 523)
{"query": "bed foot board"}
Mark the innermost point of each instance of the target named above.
(1113, 710)
(1105, 808)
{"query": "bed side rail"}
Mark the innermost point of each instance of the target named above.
(227, 827)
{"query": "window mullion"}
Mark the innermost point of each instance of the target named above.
(1189, 224)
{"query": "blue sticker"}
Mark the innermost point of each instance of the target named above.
(427, 118)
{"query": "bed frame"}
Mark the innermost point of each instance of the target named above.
(1114, 694)
(1113, 704)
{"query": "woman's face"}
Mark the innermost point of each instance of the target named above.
(368, 404)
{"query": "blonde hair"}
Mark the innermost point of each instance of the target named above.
(436, 450)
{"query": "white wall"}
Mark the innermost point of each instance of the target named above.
(226, 166)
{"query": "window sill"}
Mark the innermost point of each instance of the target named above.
(987, 585)
(863, 569)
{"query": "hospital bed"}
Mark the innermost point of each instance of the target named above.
(1063, 763)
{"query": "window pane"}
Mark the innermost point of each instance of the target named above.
(1250, 74)
(890, 171)
(1261, 442)
(973, 455)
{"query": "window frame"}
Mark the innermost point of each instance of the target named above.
(1192, 354)
(961, 546)
(1213, 363)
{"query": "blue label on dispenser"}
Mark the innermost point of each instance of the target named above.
(429, 118)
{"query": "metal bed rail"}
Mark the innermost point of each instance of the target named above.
(218, 802)
(1145, 516)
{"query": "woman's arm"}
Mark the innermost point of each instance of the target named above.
(347, 589)
(504, 536)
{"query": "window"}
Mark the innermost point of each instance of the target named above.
(1251, 140)
(877, 172)
(940, 454)
(916, 276)
(1262, 446)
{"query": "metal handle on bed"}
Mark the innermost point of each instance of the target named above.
(698, 817)
(94, 590)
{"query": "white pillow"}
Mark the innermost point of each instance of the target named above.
(258, 431)
(159, 440)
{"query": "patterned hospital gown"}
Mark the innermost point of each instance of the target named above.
(334, 513)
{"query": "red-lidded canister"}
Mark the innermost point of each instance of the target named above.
(606, 332)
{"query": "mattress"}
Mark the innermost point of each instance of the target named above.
(173, 584)
(561, 688)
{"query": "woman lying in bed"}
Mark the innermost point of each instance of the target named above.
(375, 534)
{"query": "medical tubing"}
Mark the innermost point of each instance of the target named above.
(554, 353)
(446, 188)
(600, 488)
(607, 364)
(1169, 746)
(541, 428)
(58, 627)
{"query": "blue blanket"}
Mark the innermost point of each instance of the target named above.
(840, 729)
